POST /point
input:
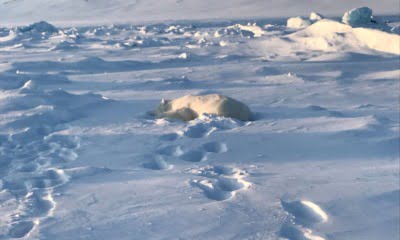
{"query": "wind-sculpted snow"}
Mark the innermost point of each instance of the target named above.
(82, 155)
(33, 153)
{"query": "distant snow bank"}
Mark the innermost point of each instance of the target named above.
(357, 31)
(332, 35)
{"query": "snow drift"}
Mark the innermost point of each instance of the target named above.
(190, 107)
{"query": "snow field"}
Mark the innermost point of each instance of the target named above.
(83, 158)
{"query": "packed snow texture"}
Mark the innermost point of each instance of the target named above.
(190, 107)
(82, 157)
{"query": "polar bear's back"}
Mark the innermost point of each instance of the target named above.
(200, 104)
(230, 107)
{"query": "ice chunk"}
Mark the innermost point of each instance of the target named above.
(358, 16)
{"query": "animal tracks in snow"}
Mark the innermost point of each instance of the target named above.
(169, 137)
(198, 131)
(222, 183)
(22, 229)
(215, 147)
(158, 163)
(33, 153)
(201, 154)
(172, 150)
(305, 212)
(302, 215)
(194, 156)
(205, 125)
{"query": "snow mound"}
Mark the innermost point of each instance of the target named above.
(328, 35)
(298, 22)
(358, 16)
(316, 16)
(190, 107)
(39, 27)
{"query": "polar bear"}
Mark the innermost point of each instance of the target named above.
(190, 107)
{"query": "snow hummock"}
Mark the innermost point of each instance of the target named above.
(329, 35)
(316, 16)
(358, 16)
(82, 157)
(190, 107)
(298, 22)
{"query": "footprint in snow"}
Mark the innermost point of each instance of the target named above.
(198, 131)
(194, 156)
(21, 229)
(302, 215)
(201, 154)
(223, 182)
(169, 137)
(34, 206)
(172, 150)
(157, 163)
(215, 147)
(206, 124)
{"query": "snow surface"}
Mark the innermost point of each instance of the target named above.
(81, 157)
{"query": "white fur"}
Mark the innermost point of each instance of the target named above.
(190, 107)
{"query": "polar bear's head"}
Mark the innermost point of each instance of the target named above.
(165, 106)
